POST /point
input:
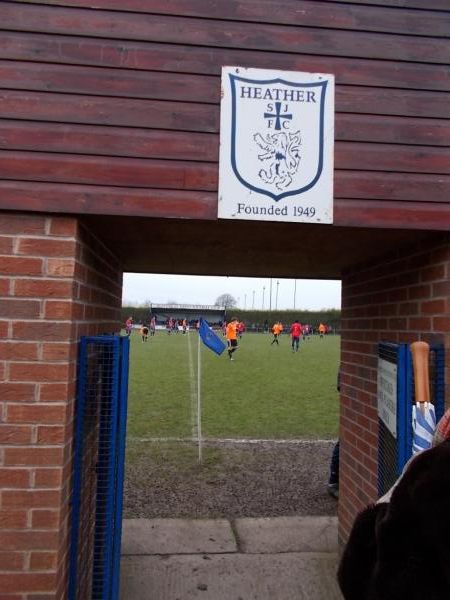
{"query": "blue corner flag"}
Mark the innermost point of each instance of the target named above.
(210, 339)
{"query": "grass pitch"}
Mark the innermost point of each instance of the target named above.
(267, 392)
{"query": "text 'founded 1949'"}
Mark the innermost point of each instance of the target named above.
(276, 145)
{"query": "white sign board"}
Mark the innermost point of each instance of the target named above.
(276, 146)
(387, 394)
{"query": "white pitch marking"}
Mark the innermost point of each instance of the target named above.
(193, 389)
(233, 440)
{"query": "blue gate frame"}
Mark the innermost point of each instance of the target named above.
(394, 452)
(98, 469)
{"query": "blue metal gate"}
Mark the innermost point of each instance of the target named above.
(392, 437)
(99, 455)
(395, 442)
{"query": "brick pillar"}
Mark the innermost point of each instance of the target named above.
(401, 298)
(57, 282)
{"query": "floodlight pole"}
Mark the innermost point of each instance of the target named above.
(245, 301)
(199, 404)
(295, 290)
(276, 299)
(253, 303)
(264, 289)
(270, 299)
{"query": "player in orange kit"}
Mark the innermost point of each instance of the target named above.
(231, 335)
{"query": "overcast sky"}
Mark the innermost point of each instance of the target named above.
(310, 294)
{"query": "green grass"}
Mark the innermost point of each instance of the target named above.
(266, 392)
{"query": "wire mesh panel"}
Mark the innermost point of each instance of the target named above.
(395, 443)
(394, 392)
(99, 451)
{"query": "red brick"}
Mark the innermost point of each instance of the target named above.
(48, 478)
(59, 351)
(378, 324)
(408, 279)
(30, 499)
(43, 561)
(398, 295)
(16, 309)
(43, 288)
(15, 434)
(11, 561)
(419, 292)
(57, 392)
(58, 309)
(27, 582)
(38, 371)
(60, 267)
(4, 329)
(45, 519)
(5, 285)
(11, 350)
(20, 224)
(419, 323)
(64, 226)
(17, 265)
(433, 307)
(35, 456)
(6, 244)
(14, 478)
(46, 247)
(36, 413)
(56, 434)
(442, 288)
(441, 323)
(387, 310)
(41, 331)
(408, 308)
(396, 324)
(18, 392)
(84, 293)
(13, 519)
(433, 273)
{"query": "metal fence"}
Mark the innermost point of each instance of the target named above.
(99, 454)
(395, 442)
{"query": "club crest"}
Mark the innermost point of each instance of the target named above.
(277, 134)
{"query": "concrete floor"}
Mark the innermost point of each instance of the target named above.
(283, 558)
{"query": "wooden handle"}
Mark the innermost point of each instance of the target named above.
(420, 353)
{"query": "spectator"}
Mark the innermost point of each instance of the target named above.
(333, 481)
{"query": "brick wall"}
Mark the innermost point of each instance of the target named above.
(402, 297)
(57, 282)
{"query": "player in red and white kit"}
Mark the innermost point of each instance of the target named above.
(296, 332)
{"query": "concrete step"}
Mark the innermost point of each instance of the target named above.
(281, 558)
(288, 576)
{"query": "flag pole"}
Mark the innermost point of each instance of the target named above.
(199, 404)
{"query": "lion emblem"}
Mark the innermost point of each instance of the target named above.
(282, 152)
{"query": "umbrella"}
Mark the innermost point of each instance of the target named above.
(424, 425)
(423, 413)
